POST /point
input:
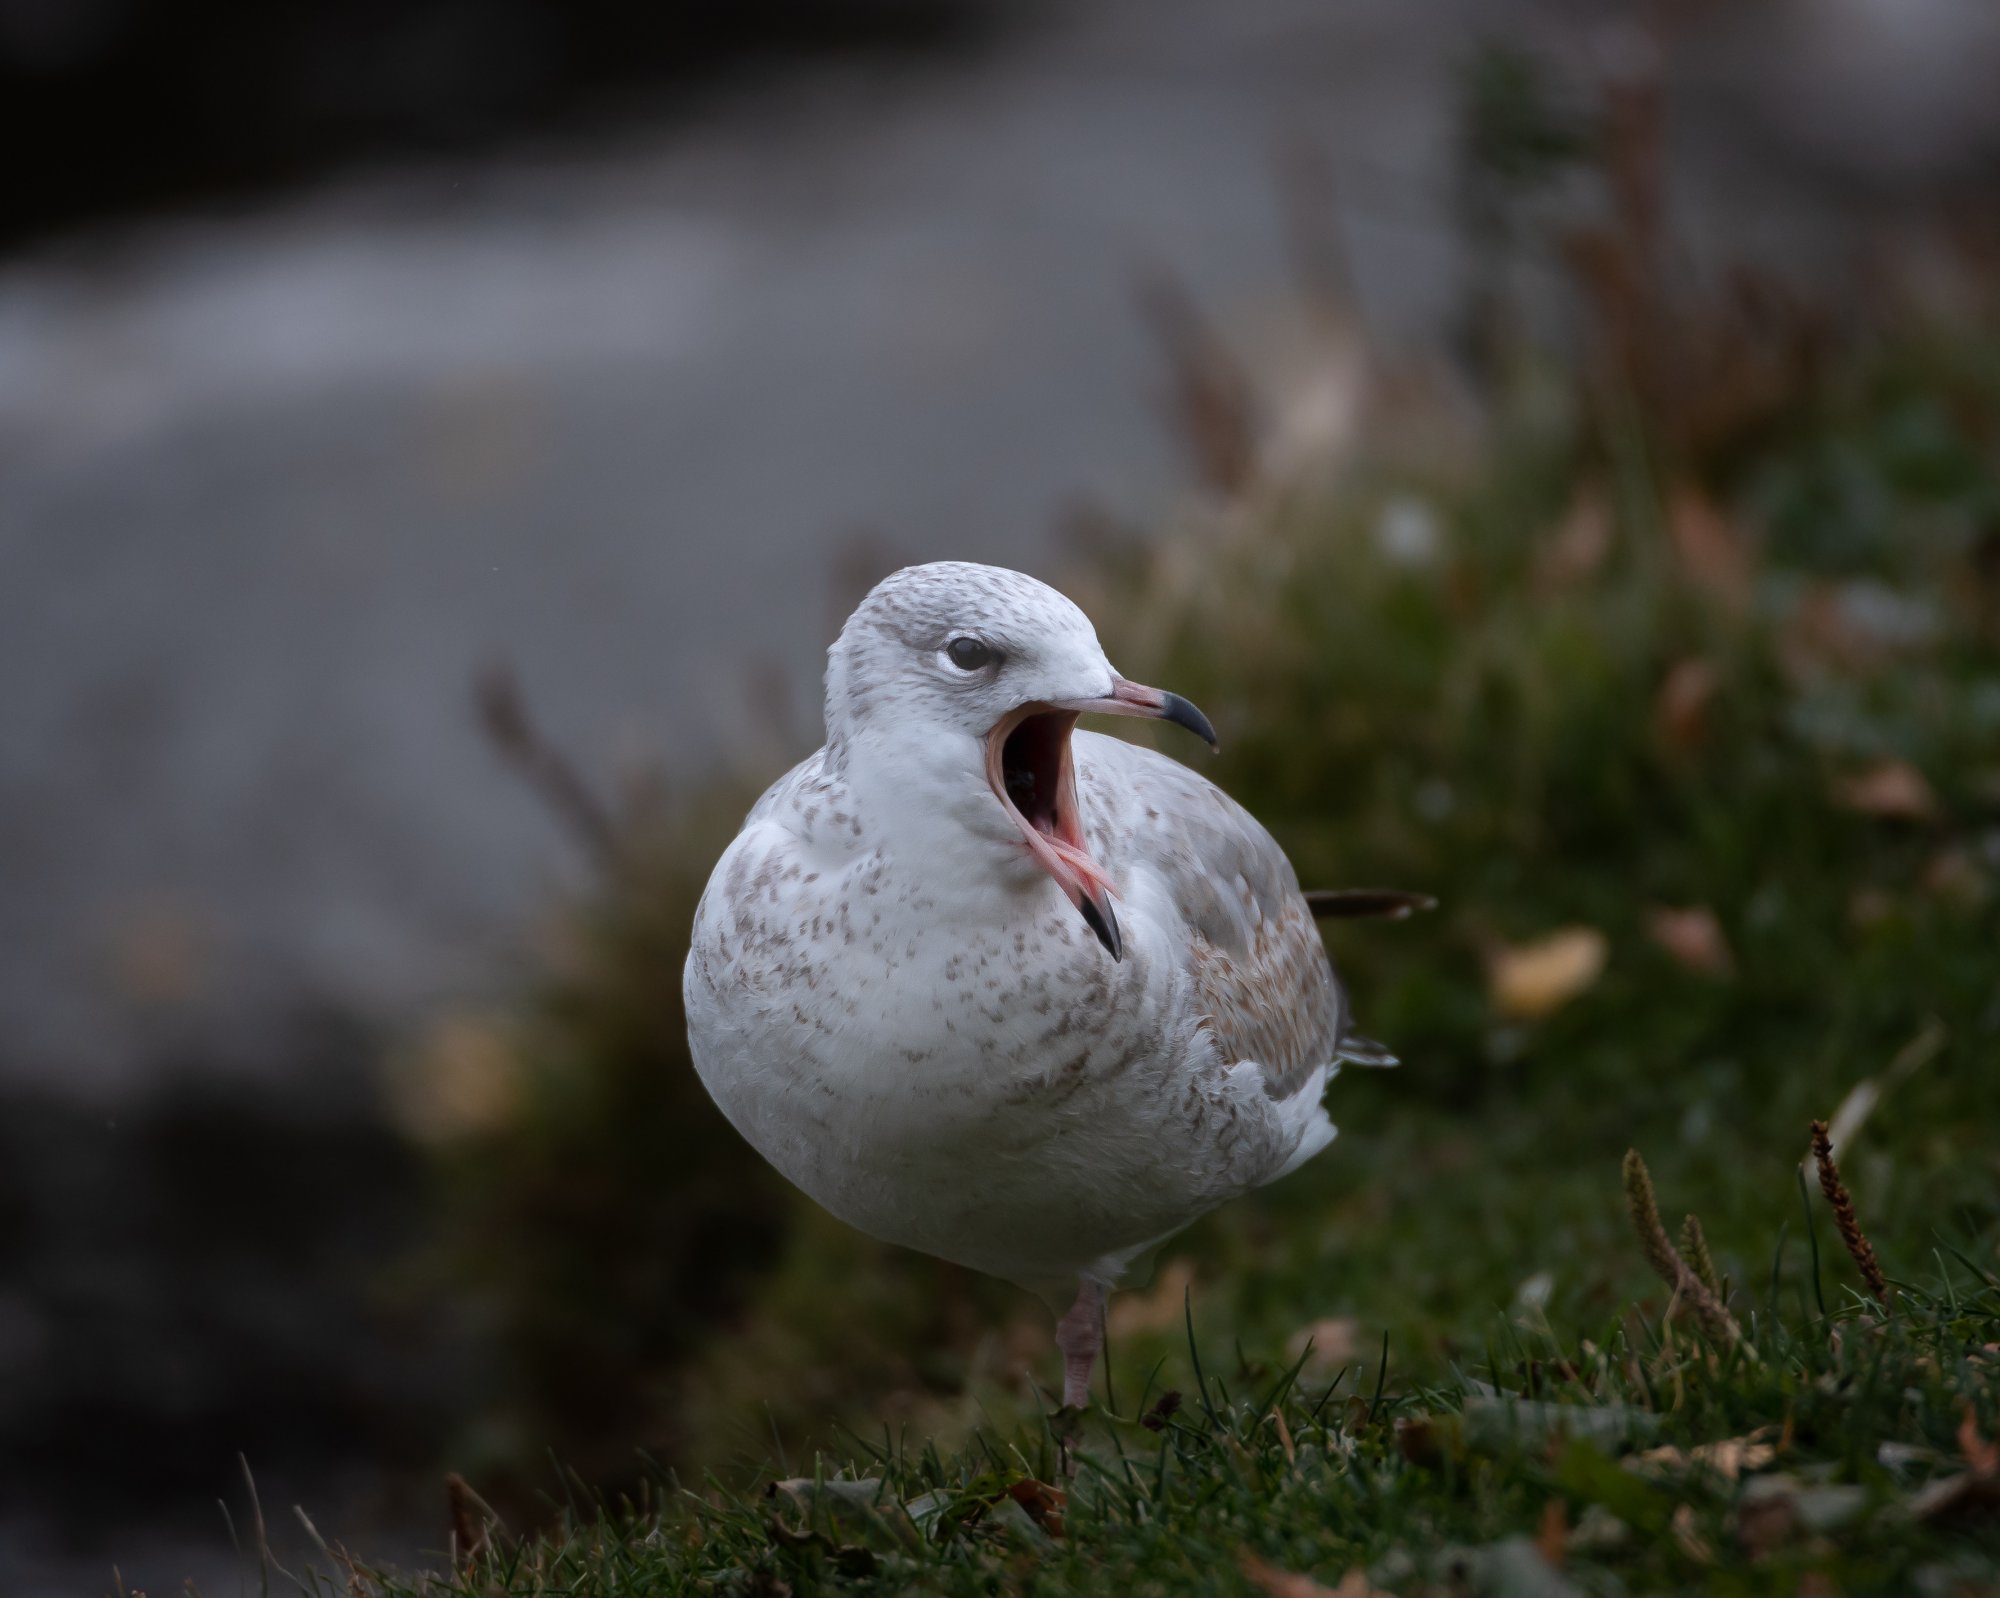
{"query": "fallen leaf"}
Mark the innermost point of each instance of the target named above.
(1577, 547)
(1334, 1342)
(1689, 1539)
(1288, 1584)
(1981, 1455)
(1158, 1307)
(1733, 1456)
(1430, 1440)
(1693, 937)
(1044, 1504)
(1165, 1407)
(834, 1512)
(1680, 713)
(1531, 980)
(1711, 550)
(1729, 1458)
(1892, 789)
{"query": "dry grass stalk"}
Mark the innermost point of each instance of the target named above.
(1660, 1253)
(1210, 398)
(1694, 1245)
(1312, 226)
(1646, 1221)
(470, 1519)
(1552, 1538)
(1851, 1234)
(1284, 1436)
(503, 713)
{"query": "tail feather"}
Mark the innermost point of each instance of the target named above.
(1354, 903)
(1356, 1049)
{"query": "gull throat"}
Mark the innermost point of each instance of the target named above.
(1031, 771)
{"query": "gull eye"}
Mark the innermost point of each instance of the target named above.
(969, 654)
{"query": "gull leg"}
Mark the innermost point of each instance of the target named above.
(1080, 1335)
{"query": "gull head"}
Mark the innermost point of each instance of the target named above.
(956, 687)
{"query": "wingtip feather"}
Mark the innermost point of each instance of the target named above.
(1350, 904)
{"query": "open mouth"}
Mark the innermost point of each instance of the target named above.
(1029, 767)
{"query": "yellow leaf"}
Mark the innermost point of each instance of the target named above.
(1728, 1458)
(1533, 979)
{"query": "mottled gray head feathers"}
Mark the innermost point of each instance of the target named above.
(1016, 640)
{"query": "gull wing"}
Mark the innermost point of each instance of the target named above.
(1349, 904)
(1254, 958)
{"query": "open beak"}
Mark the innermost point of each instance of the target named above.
(1029, 766)
(1131, 699)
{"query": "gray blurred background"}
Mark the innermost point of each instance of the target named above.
(345, 351)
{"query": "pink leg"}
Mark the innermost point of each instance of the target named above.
(1080, 1334)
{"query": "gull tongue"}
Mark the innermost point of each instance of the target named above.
(1090, 874)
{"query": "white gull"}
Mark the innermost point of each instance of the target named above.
(909, 987)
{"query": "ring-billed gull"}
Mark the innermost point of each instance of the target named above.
(911, 990)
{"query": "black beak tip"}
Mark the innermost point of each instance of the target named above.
(1185, 713)
(1098, 917)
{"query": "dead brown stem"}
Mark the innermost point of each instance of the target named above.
(1210, 397)
(503, 712)
(1715, 1318)
(1851, 1234)
(470, 1519)
(1694, 1245)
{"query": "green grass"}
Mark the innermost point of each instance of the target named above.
(1660, 652)
(1474, 726)
(1578, 1447)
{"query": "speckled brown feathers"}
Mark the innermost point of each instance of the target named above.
(903, 1010)
(1258, 968)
